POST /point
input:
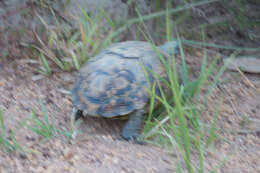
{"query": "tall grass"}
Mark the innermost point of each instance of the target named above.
(69, 49)
(178, 125)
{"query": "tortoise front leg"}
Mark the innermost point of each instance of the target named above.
(77, 114)
(132, 127)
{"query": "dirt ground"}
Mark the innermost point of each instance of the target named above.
(97, 147)
(96, 150)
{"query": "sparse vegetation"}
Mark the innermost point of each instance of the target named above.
(45, 126)
(7, 141)
(178, 124)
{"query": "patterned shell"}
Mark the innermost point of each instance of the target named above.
(113, 83)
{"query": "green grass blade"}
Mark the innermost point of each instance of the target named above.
(192, 42)
(45, 116)
(108, 19)
(201, 155)
(216, 79)
(45, 64)
(75, 60)
(2, 120)
(89, 19)
(212, 129)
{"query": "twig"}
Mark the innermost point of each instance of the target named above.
(246, 80)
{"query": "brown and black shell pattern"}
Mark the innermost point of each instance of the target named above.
(113, 83)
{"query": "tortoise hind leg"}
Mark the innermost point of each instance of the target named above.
(132, 127)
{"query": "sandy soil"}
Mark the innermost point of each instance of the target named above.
(97, 147)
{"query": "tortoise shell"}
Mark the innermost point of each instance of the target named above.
(115, 82)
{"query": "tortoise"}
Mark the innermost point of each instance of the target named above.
(114, 83)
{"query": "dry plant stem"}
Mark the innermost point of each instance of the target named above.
(160, 123)
(45, 50)
(246, 80)
(232, 104)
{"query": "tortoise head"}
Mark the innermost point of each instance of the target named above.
(171, 47)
